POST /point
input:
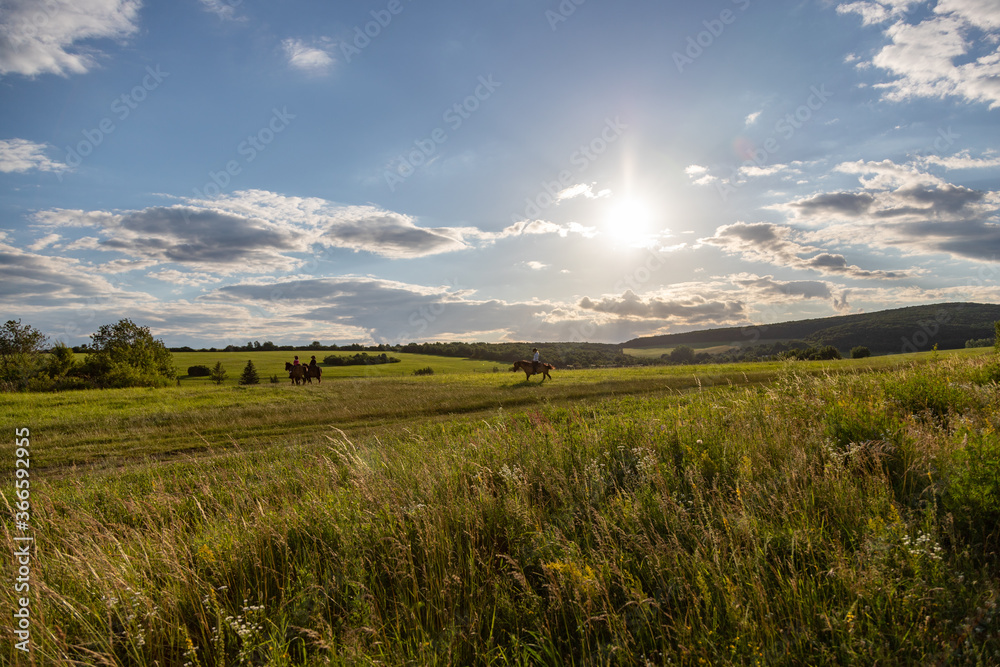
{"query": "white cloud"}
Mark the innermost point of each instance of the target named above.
(699, 175)
(307, 58)
(185, 278)
(224, 9)
(581, 190)
(527, 227)
(983, 14)
(962, 160)
(940, 56)
(44, 242)
(19, 155)
(752, 118)
(39, 38)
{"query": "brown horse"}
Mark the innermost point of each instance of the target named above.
(529, 369)
(313, 372)
(295, 372)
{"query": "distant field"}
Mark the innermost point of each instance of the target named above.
(656, 352)
(273, 363)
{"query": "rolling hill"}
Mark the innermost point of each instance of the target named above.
(948, 325)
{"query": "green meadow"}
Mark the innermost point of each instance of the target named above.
(785, 513)
(273, 363)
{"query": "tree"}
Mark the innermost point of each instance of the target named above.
(682, 354)
(218, 374)
(125, 354)
(20, 353)
(61, 361)
(860, 352)
(250, 374)
(996, 336)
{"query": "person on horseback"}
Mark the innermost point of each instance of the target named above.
(296, 362)
(535, 360)
(312, 362)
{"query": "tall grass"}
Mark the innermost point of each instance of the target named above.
(813, 519)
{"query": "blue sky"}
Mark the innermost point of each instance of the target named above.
(531, 170)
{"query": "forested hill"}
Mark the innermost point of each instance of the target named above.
(948, 325)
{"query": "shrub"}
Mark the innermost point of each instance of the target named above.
(199, 371)
(921, 394)
(972, 495)
(860, 352)
(682, 354)
(125, 354)
(20, 354)
(424, 371)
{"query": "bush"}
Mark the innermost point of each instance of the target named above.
(424, 371)
(20, 354)
(979, 342)
(199, 371)
(682, 354)
(860, 352)
(125, 354)
(972, 495)
(362, 359)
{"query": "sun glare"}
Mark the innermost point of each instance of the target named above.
(631, 222)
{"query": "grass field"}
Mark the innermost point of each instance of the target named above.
(273, 363)
(821, 513)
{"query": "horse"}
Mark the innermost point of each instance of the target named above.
(529, 369)
(313, 372)
(295, 372)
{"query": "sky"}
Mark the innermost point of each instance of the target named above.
(394, 171)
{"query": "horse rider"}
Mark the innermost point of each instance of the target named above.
(535, 360)
(312, 362)
(296, 362)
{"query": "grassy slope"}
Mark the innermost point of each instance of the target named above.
(710, 514)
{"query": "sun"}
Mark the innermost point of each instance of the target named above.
(631, 221)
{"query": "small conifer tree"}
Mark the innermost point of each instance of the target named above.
(250, 374)
(218, 373)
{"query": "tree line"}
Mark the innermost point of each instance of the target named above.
(123, 354)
